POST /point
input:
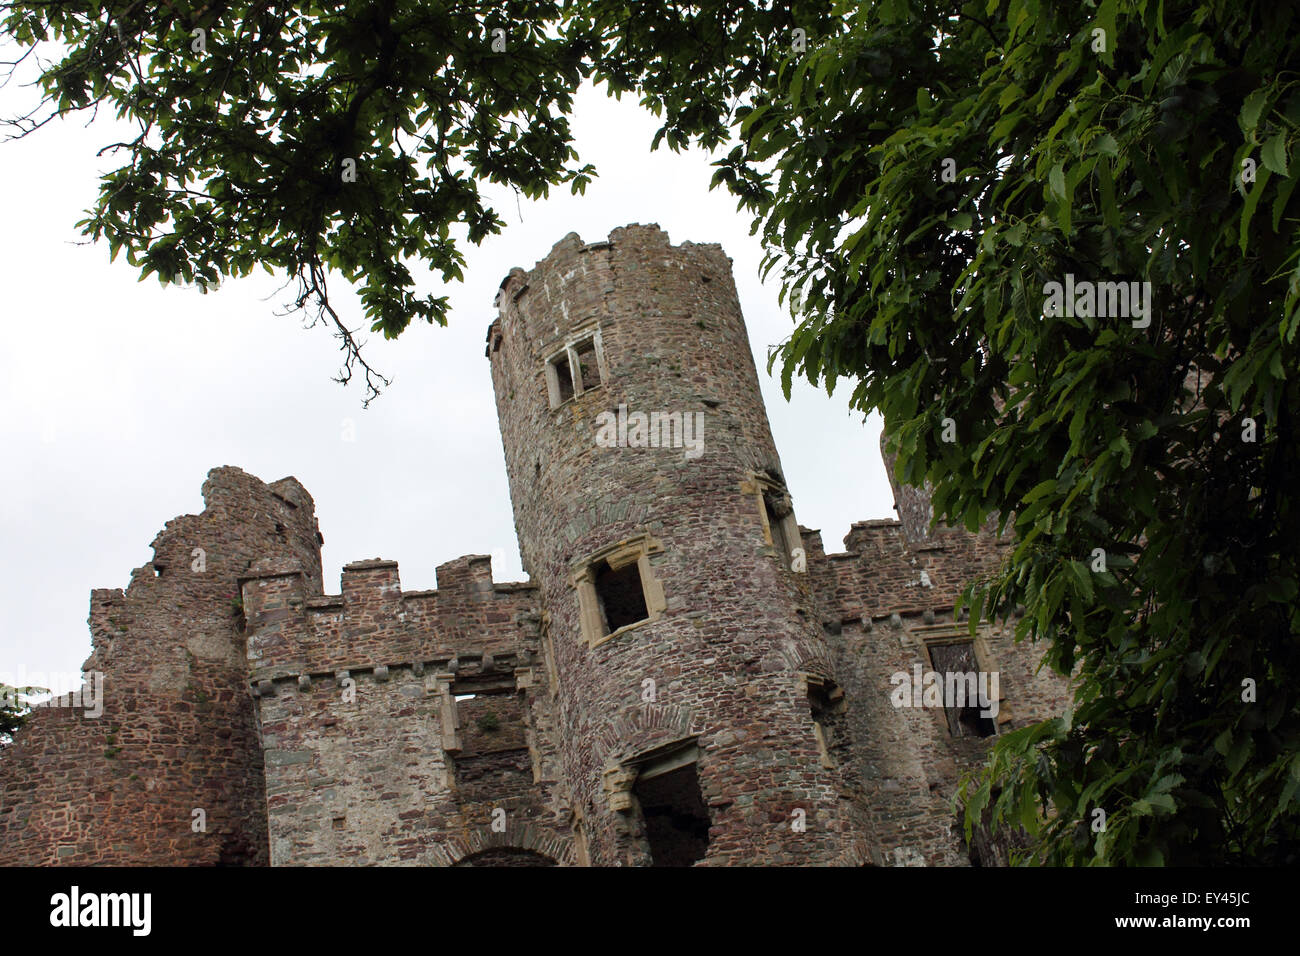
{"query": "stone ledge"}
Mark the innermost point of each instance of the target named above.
(369, 564)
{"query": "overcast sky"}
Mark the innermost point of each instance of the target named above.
(119, 396)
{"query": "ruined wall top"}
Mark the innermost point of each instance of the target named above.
(625, 246)
(185, 593)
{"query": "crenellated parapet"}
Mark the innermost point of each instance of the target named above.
(882, 571)
(372, 622)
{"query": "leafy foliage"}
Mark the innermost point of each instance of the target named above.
(1156, 543)
(352, 137)
(250, 113)
(14, 708)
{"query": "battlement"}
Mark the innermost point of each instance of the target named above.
(570, 286)
(882, 571)
(373, 623)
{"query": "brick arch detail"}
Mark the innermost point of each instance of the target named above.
(818, 664)
(858, 854)
(516, 836)
(643, 727)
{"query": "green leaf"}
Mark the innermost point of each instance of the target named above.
(1251, 110)
(1056, 179)
(1282, 590)
(1242, 745)
(1083, 576)
(1248, 209)
(1273, 155)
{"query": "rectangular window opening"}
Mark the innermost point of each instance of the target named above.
(676, 818)
(621, 595)
(588, 365)
(964, 717)
(494, 759)
(563, 376)
(574, 369)
(616, 588)
(826, 703)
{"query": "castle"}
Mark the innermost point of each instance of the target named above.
(687, 677)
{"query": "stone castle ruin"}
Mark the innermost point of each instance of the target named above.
(687, 677)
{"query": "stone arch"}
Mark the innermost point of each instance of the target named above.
(519, 838)
(817, 664)
(799, 661)
(505, 856)
(644, 728)
(857, 854)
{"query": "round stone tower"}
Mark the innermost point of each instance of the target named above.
(697, 711)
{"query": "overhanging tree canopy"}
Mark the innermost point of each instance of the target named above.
(929, 183)
(309, 137)
(935, 175)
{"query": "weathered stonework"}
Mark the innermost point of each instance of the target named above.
(687, 676)
(178, 732)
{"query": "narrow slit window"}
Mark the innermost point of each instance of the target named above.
(563, 376)
(588, 364)
(778, 514)
(826, 703)
(776, 525)
(621, 595)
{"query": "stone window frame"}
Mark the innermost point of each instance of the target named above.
(666, 759)
(806, 683)
(657, 762)
(569, 351)
(621, 777)
(928, 635)
(636, 549)
(578, 826)
(443, 686)
(548, 654)
(760, 486)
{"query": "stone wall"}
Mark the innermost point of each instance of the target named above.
(177, 734)
(295, 630)
(402, 728)
(904, 764)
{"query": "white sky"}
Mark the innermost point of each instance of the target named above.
(117, 397)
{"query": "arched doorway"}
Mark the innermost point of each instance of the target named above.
(505, 856)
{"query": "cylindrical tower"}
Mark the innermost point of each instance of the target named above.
(695, 701)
